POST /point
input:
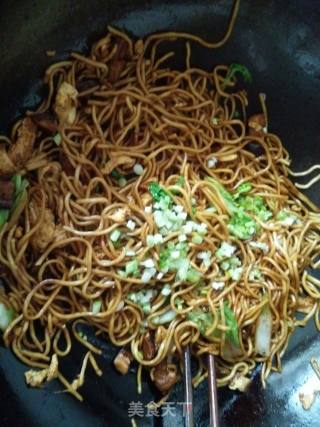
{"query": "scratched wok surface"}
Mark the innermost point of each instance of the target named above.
(279, 42)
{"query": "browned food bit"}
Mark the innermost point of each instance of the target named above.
(118, 62)
(66, 103)
(257, 125)
(6, 194)
(148, 347)
(47, 121)
(44, 234)
(117, 161)
(163, 377)
(7, 168)
(122, 361)
(21, 151)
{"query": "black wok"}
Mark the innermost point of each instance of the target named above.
(279, 42)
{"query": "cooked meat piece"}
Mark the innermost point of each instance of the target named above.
(36, 378)
(7, 168)
(163, 377)
(122, 361)
(21, 151)
(257, 125)
(148, 347)
(47, 121)
(116, 161)
(6, 194)
(115, 70)
(66, 102)
(120, 215)
(45, 234)
(118, 62)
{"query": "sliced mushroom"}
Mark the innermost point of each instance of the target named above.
(148, 347)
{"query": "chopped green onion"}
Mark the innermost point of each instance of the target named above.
(7, 315)
(122, 182)
(115, 235)
(197, 239)
(166, 290)
(238, 69)
(132, 267)
(57, 138)
(243, 226)
(96, 306)
(243, 188)
(158, 193)
(166, 317)
(180, 181)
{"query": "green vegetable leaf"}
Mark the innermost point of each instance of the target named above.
(201, 319)
(243, 188)
(226, 196)
(4, 216)
(180, 181)
(256, 206)
(158, 193)
(238, 69)
(243, 226)
(231, 322)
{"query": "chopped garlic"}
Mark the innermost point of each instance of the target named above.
(260, 245)
(131, 225)
(148, 209)
(217, 285)
(148, 263)
(212, 162)
(138, 169)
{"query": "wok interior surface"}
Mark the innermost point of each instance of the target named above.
(279, 43)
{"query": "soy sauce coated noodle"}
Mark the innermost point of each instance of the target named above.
(122, 107)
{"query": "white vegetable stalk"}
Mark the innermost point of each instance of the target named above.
(263, 333)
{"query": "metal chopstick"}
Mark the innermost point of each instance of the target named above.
(213, 396)
(187, 380)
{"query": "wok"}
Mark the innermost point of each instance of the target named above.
(279, 42)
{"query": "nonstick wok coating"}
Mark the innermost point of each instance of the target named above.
(279, 42)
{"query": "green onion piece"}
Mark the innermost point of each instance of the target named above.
(243, 188)
(132, 267)
(4, 216)
(226, 196)
(7, 315)
(243, 226)
(180, 181)
(193, 275)
(158, 193)
(238, 69)
(232, 324)
(197, 239)
(57, 138)
(115, 234)
(96, 306)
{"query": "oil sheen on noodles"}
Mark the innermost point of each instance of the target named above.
(146, 204)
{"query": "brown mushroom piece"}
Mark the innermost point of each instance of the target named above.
(163, 377)
(257, 125)
(118, 62)
(122, 361)
(46, 121)
(21, 151)
(148, 347)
